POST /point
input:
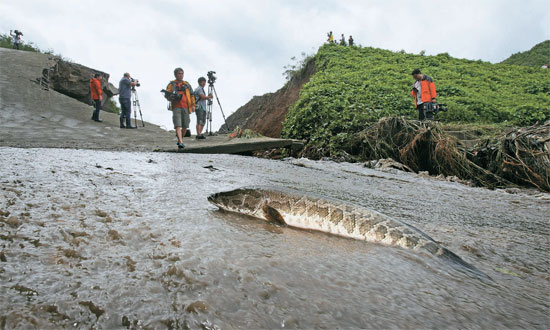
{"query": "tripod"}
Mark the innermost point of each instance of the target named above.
(135, 103)
(212, 90)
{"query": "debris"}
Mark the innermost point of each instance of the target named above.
(131, 264)
(114, 235)
(13, 222)
(421, 146)
(524, 156)
(24, 290)
(387, 164)
(243, 134)
(100, 213)
(196, 307)
(93, 308)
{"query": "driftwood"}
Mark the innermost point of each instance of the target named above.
(524, 156)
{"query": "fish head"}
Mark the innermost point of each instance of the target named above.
(243, 200)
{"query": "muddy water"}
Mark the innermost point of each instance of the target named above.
(106, 240)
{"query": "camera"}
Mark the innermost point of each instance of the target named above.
(211, 77)
(437, 107)
(171, 96)
(136, 81)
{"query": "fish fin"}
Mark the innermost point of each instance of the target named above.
(272, 215)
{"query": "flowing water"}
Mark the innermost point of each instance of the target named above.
(112, 239)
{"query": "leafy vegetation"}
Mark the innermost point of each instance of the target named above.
(111, 106)
(537, 56)
(297, 66)
(355, 86)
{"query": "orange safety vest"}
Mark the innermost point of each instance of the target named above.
(427, 90)
(95, 89)
(189, 101)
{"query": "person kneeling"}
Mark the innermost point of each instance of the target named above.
(182, 106)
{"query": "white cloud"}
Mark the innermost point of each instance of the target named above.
(249, 42)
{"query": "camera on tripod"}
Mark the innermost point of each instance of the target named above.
(135, 81)
(211, 77)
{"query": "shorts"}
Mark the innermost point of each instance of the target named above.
(201, 115)
(180, 117)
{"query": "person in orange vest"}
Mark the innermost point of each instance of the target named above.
(97, 95)
(182, 106)
(424, 94)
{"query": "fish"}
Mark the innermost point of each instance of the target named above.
(288, 207)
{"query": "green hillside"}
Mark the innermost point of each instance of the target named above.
(537, 56)
(354, 86)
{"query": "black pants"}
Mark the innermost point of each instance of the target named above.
(125, 112)
(97, 106)
(425, 111)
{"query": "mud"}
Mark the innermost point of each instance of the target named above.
(139, 246)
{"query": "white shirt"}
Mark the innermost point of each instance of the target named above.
(418, 86)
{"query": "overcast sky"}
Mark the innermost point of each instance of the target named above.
(249, 42)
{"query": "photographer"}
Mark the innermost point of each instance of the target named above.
(424, 94)
(182, 104)
(96, 93)
(125, 96)
(201, 107)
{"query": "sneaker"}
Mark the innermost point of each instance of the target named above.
(201, 137)
(122, 126)
(131, 127)
(181, 145)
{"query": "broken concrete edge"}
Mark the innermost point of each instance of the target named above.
(240, 147)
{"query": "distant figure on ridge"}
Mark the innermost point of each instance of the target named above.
(330, 37)
(424, 94)
(350, 41)
(96, 93)
(16, 35)
(343, 41)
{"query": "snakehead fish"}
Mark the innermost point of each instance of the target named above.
(292, 208)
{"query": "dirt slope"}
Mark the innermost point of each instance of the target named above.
(265, 114)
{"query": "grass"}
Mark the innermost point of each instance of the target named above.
(354, 87)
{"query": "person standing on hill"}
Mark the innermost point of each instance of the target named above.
(350, 41)
(182, 106)
(96, 93)
(16, 35)
(330, 37)
(424, 94)
(343, 41)
(125, 96)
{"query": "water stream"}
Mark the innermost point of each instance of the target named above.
(110, 239)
